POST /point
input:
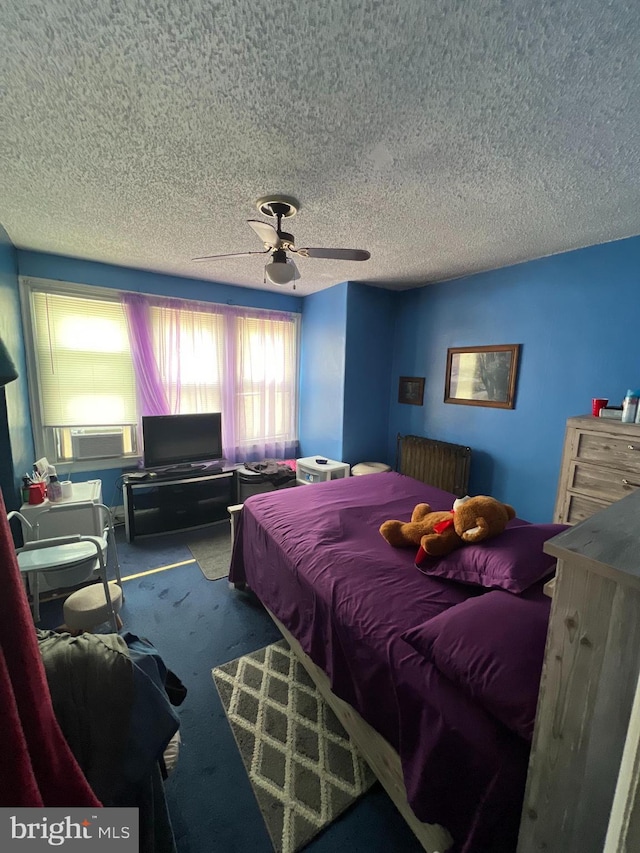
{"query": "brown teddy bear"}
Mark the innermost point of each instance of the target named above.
(440, 533)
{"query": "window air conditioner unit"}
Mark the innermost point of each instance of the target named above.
(97, 445)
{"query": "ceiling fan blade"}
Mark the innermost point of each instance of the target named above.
(336, 254)
(266, 232)
(231, 255)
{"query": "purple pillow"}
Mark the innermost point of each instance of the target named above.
(513, 561)
(492, 647)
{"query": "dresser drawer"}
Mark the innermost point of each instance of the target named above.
(577, 508)
(609, 450)
(601, 483)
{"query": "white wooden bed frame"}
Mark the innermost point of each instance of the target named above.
(377, 752)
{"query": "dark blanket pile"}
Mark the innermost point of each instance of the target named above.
(110, 698)
(272, 471)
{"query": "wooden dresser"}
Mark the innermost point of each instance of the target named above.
(600, 465)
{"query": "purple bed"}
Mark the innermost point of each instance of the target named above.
(447, 672)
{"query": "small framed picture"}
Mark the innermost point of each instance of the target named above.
(411, 390)
(482, 376)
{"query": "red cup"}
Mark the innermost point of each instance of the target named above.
(36, 495)
(596, 404)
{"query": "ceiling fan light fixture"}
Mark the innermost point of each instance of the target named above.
(280, 272)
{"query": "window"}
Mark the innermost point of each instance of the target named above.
(189, 351)
(85, 393)
(266, 380)
(207, 357)
(101, 359)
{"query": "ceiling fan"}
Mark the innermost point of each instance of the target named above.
(282, 269)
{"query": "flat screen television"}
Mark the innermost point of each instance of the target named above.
(181, 440)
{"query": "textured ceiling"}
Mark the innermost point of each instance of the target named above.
(445, 137)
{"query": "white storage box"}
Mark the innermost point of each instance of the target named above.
(317, 469)
(65, 523)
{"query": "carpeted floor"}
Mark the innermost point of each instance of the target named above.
(304, 769)
(196, 624)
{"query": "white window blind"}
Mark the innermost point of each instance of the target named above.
(83, 359)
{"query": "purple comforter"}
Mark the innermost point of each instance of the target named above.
(315, 558)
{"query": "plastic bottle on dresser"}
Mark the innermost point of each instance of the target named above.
(630, 406)
(54, 489)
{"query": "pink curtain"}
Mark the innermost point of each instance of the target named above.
(212, 357)
(152, 399)
(37, 767)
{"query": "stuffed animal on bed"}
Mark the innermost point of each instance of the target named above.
(440, 533)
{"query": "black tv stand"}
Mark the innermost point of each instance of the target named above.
(177, 499)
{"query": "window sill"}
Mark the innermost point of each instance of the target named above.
(130, 462)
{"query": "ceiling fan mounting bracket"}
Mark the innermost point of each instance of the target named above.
(275, 206)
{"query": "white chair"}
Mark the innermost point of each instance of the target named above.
(70, 559)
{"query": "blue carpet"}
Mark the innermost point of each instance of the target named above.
(197, 624)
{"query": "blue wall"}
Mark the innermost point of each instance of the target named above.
(368, 363)
(322, 373)
(16, 441)
(345, 369)
(577, 317)
(60, 268)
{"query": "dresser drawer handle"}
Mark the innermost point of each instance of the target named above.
(631, 447)
(629, 483)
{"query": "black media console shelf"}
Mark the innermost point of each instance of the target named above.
(166, 504)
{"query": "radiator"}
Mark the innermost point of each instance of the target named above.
(438, 463)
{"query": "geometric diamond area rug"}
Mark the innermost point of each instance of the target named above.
(302, 766)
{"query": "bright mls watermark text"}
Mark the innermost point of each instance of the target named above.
(76, 829)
